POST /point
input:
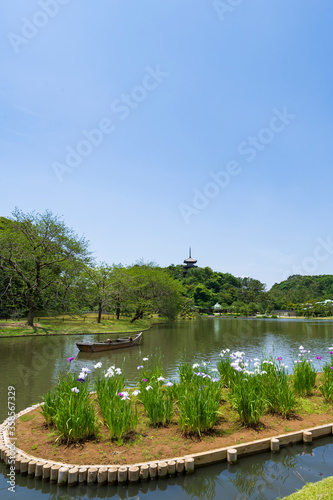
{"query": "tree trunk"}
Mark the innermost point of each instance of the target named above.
(118, 310)
(136, 316)
(99, 312)
(31, 314)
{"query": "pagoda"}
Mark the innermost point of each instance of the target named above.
(189, 263)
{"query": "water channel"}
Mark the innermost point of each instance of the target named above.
(32, 365)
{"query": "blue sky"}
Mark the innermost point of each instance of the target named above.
(151, 126)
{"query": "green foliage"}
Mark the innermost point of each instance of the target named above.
(198, 399)
(326, 388)
(117, 408)
(70, 411)
(158, 403)
(43, 255)
(304, 377)
(297, 289)
(320, 490)
(227, 373)
(277, 388)
(156, 397)
(247, 397)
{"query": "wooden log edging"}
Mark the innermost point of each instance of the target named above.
(72, 474)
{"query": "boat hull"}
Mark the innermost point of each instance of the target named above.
(109, 346)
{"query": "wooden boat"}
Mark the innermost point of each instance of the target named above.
(109, 345)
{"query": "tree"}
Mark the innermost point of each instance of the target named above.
(153, 290)
(203, 297)
(41, 252)
(107, 286)
(99, 286)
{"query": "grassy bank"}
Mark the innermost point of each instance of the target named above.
(322, 490)
(69, 325)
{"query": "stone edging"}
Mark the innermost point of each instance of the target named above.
(71, 474)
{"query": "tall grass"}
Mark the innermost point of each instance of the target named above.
(118, 411)
(247, 398)
(326, 388)
(198, 399)
(68, 406)
(158, 403)
(156, 397)
(277, 388)
(304, 377)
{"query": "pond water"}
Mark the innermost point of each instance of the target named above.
(32, 365)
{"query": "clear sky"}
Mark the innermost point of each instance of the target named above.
(154, 125)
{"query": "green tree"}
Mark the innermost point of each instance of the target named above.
(203, 297)
(99, 286)
(153, 290)
(41, 252)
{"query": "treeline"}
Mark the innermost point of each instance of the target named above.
(46, 267)
(304, 295)
(205, 288)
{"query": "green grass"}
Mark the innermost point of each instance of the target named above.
(27, 418)
(322, 490)
(75, 325)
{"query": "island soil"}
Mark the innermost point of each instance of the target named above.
(149, 443)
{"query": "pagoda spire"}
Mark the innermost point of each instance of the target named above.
(189, 263)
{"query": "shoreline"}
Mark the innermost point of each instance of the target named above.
(41, 330)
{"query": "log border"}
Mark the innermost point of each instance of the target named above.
(61, 473)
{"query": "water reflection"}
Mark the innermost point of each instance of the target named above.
(263, 476)
(32, 365)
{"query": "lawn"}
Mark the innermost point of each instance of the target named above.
(66, 325)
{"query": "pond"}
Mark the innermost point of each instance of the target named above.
(32, 365)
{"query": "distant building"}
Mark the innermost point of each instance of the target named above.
(189, 263)
(284, 313)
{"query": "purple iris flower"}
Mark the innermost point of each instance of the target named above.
(70, 359)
